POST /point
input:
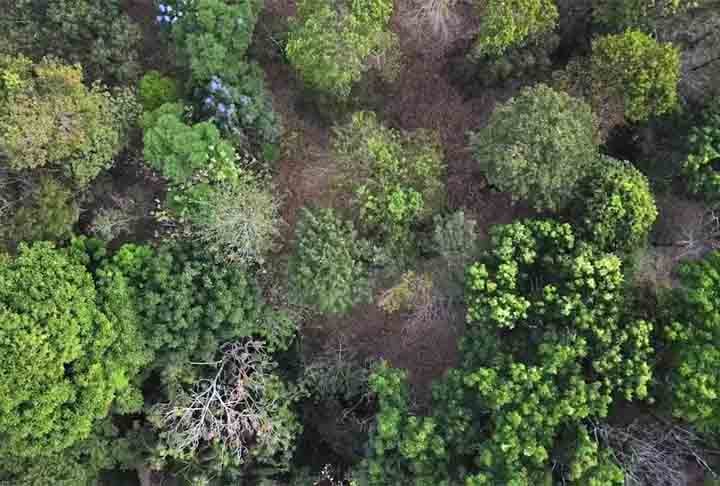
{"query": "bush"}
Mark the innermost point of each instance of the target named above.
(621, 15)
(241, 221)
(618, 208)
(395, 178)
(700, 166)
(507, 24)
(694, 333)
(93, 33)
(538, 146)
(179, 150)
(34, 128)
(70, 348)
(329, 269)
(330, 45)
(188, 305)
(637, 70)
(213, 36)
(156, 90)
(48, 214)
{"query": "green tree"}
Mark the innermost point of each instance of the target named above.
(213, 37)
(638, 70)
(694, 333)
(395, 177)
(704, 145)
(188, 304)
(538, 146)
(180, 151)
(96, 34)
(617, 207)
(329, 269)
(514, 23)
(155, 90)
(330, 45)
(70, 349)
(48, 117)
(621, 15)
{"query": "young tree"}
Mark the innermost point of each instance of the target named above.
(49, 118)
(638, 70)
(395, 177)
(329, 269)
(616, 207)
(70, 349)
(330, 45)
(538, 146)
(513, 23)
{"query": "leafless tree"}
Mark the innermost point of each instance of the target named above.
(230, 407)
(700, 234)
(653, 454)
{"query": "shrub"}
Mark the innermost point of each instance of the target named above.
(396, 178)
(618, 208)
(514, 23)
(694, 333)
(70, 348)
(638, 70)
(329, 269)
(179, 150)
(188, 305)
(621, 15)
(330, 45)
(704, 142)
(456, 240)
(213, 36)
(538, 146)
(241, 222)
(34, 123)
(93, 33)
(156, 90)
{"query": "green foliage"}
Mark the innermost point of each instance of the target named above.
(694, 333)
(188, 304)
(49, 118)
(617, 207)
(70, 348)
(638, 14)
(329, 269)
(456, 239)
(638, 70)
(155, 90)
(48, 214)
(704, 141)
(538, 146)
(93, 33)
(330, 44)
(213, 37)
(179, 150)
(241, 221)
(514, 23)
(395, 177)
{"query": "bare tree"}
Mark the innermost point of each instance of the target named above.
(653, 454)
(700, 233)
(230, 407)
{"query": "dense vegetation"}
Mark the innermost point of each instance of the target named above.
(359, 243)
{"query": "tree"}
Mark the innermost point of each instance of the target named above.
(694, 332)
(617, 207)
(50, 118)
(70, 350)
(179, 150)
(212, 36)
(330, 45)
(329, 269)
(395, 177)
(704, 142)
(96, 34)
(188, 305)
(155, 90)
(621, 15)
(638, 70)
(241, 221)
(538, 146)
(514, 23)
